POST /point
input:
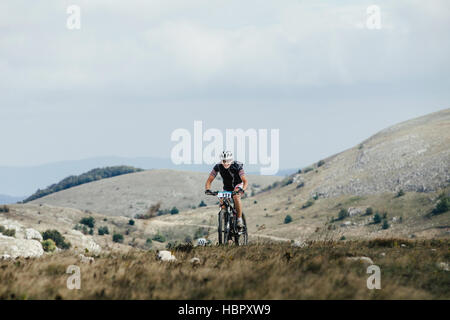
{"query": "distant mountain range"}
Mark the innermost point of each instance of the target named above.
(19, 182)
(5, 199)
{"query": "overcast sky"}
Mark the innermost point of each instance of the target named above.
(137, 70)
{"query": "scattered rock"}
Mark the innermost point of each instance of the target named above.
(403, 245)
(346, 224)
(85, 259)
(354, 211)
(443, 266)
(31, 234)
(14, 248)
(361, 259)
(299, 244)
(165, 255)
(195, 261)
(383, 254)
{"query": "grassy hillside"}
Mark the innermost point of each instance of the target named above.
(135, 193)
(409, 270)
(73, 181)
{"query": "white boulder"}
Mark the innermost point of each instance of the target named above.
(165, 255)
(202, 242)
(195, 261)
(15, 248)
(32, 234)
(85, 259)
(361, 259)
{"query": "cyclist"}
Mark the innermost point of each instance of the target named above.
(233, 176)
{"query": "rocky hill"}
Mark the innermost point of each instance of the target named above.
(412, 156)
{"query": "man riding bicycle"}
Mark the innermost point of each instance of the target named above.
(233, 176)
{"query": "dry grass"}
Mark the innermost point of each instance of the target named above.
(260, 271)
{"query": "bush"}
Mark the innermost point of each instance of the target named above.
(306, 170)
(287, 219)
(88, 221)
(385, 225)
(202, 204)
(369, 211)
(9, 232)
(174, 210)
(320, 163)
(300, 185)
(200, 233)
(308, 203)
(102, 231)
(57, 238)
(148, 242)
(159, 237)
(4, 208)
(2, 229)
(401, 193)
(442, 206)
(131, 222)
(342, 214)
(287, 181)
(376, 218)
(117, 237)
(48, 245)
(151, 212)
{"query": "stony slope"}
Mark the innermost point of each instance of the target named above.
(413, 156)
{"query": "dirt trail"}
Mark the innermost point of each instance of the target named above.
(251, 235)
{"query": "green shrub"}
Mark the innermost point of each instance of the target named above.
(320, 163)
(88, 221)
(287, 181)
(287, 219)
(10, 232)
(48, 245)
(200, 233)
(342, 214)
(308, 203)
(159, 237)
(174, 210)
(4, 208)
(202, 204)
(148, 242)
(443, 205)
(401, 193)
(117, 237)
(300, 185)
(306, 170)
(57, 238)
(369, 211)
(342, 238)
(131, 222)
(376, 218)
(385, 225)
(2, 229)
(102, 231)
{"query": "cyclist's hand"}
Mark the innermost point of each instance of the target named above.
(208, 192)
(240, 190)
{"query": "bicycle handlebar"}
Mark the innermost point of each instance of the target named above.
(215, 193)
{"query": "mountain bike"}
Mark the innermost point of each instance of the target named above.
(228, 229)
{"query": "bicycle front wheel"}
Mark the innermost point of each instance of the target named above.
(241, 238)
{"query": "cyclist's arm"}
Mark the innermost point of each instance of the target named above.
(211, 177)
(209, 181)
(245, 181)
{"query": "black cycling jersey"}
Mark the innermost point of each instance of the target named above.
(231, 177)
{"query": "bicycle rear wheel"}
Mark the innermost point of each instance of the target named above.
(241, 238)
(220, 228)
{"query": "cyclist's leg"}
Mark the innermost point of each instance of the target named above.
(237, 201)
